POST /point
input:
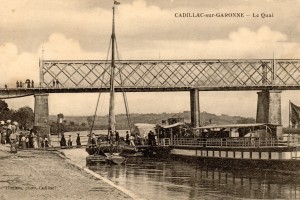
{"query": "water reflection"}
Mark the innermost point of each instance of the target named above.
(153, 179)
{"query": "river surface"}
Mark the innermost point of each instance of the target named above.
(169, 179)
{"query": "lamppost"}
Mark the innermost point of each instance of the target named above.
(60, 118)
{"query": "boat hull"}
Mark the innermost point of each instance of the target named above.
(277, 158)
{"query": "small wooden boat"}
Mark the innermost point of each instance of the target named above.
(111, 149)
(96, 159)
(116, 158)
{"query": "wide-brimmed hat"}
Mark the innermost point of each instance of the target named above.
(8, 121)
(15, 123)
(2, 122)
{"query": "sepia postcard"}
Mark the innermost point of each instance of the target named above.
(172, 99)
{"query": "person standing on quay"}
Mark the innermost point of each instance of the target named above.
(35, 143)
(2, 132)
(46, 142)
(63, 142)
(42, 144)
(27, 142)
(127, 138)
(117, 137)
(78, 143)
(13, 141)
(8, 131)
(23, 142)
(70, 141)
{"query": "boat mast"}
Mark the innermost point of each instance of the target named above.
(112, 120)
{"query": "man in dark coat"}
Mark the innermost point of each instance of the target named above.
(78, 143)
(63, 142)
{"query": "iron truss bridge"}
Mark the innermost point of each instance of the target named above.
(71, 76)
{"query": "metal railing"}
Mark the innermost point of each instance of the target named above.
(164, 141)
(231, 142)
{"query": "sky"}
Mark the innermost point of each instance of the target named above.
(145, 29)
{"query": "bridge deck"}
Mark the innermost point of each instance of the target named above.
(6, 93)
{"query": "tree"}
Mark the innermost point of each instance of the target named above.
(5, 112)
(72, 123)
(247, 120)
(83, 124)
(24, 116)
(90, 120)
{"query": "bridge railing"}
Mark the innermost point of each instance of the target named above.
(231, 142)
(171, 73)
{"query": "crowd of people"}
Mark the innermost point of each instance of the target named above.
(20, 138)
(56, 83)
(8, 131)
(130, 139)
(136, 139)
(27, 84)
(69, 143)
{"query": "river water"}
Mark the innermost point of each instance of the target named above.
(169, 179)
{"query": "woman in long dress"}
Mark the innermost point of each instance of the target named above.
(23, 142)
(63, 142)
(35, 143)
(78, 143)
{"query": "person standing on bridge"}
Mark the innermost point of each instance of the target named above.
(27, 83)
(53, 83)
(57, 83)
(32, 83)
(18, 85)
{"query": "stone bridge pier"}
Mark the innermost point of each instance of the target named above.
(195, 108)
(269, 107)
(41, 115)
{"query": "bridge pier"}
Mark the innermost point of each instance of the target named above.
(41, 115)
(195, 107)
(269, 107)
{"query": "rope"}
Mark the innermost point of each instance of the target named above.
(95, 114)
(124, 93)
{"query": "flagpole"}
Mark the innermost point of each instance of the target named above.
(289, 123)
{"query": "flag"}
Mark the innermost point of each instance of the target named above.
(116, 3)
(294, 114)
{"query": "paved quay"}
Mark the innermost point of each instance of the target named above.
(38, 174)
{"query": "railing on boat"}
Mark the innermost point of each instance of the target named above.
(164, 141)
(231, 142)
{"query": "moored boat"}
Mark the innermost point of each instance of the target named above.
(257, 145)
(112, 148)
